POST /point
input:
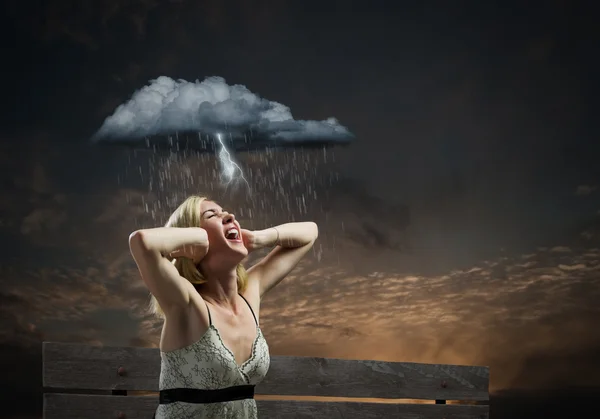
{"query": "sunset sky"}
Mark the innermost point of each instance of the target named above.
(461, 226)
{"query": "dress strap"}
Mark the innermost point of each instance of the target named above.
(209, 318)
(252, 311)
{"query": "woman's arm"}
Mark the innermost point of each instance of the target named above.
(292, 241)
(152, 248)
(173, 242)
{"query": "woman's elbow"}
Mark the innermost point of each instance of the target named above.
(314, 230)
(137, 240)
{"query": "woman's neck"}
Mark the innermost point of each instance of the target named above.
(221, 288)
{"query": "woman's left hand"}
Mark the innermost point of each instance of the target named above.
(258, 239)
(251, 240)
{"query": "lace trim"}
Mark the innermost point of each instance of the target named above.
(203, 337)
(252, 352)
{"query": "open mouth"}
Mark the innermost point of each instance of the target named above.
(232, 234)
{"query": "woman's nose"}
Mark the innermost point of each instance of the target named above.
(228, 218)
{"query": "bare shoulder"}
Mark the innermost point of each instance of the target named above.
(198, 307)
(185, 325)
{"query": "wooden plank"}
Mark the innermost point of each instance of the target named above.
(87, 367)
(77, 406)
(77, 366)
(307, 376)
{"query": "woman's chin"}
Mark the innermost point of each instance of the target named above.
(238, 247)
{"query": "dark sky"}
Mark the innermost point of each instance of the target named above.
(461, 226)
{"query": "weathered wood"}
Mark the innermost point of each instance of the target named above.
(76, 366)
(75, 406)
(306, 376)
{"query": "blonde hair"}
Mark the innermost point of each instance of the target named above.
(188, 215)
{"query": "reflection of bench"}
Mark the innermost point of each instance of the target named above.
(92, 382)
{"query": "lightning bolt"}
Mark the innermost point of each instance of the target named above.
(230, 169)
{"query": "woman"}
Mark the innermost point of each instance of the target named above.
(213, 352)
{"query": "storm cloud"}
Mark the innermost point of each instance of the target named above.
(168, 106)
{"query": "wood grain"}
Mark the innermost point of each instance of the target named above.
(85, 367)
(77, 406)
(77, 366)
(307, 376)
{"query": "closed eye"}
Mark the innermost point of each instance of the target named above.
(211, 213)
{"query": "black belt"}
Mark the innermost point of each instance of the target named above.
(195, 395)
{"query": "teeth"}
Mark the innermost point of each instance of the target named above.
(232, 233)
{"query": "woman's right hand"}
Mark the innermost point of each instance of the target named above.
(195, 252)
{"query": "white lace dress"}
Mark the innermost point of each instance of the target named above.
(208, 365)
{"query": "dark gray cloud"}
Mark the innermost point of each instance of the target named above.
(168, 106)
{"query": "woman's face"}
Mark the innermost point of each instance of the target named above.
(223, 230)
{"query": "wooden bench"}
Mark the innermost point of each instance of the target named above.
(93, 382)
